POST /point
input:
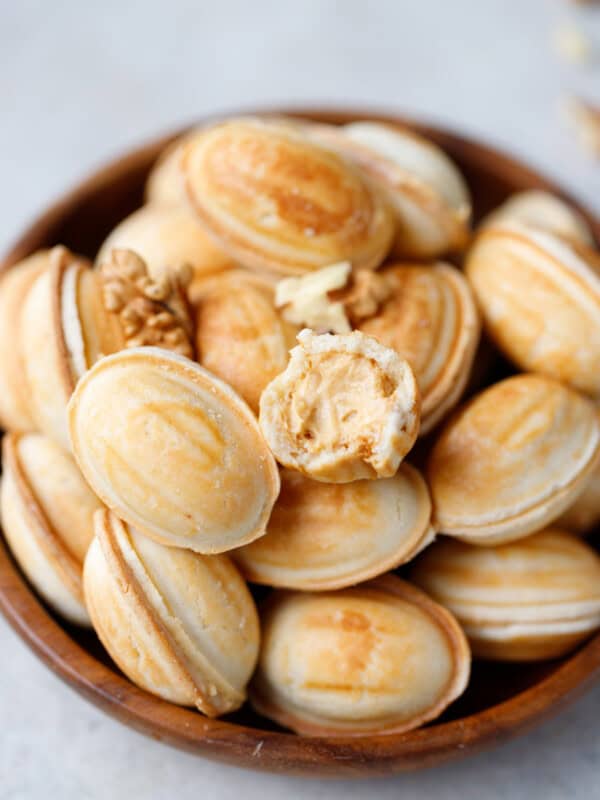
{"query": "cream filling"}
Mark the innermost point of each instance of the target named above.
(340, 402)
(533, 630)
(344, 407)
(71, 321)
(542, 609)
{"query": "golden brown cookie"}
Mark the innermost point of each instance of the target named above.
(532, 599)
(428, 195)
(540, 300)
(584, 515)
(15, 403)
(64, 329)
(73, 315)
(512, 459)
(165, 184)
(240, 335)
(166, 237)
(47, 519)
(328, 536)
(180, 625)
(276, 201)
(541, 211)
(429, 317)
(173, 450)
(379, 658)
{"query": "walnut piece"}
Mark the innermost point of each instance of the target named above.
(363, 298)
(151, 311)
(305, 301)
(333, 299)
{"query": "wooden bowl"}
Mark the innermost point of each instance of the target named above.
(502, 699)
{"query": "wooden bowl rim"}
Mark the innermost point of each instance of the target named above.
(240, 745)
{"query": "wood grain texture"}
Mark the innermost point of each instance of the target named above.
(502, 700)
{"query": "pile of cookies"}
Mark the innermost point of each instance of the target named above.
(269, 375)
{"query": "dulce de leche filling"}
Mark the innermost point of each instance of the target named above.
(339, 402)
(88, 332)
(71, 321)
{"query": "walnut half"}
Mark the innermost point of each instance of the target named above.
(151, 311)
(305, 301)
(333, 299)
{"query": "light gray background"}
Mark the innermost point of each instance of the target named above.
(80, 83)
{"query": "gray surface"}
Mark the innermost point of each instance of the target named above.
(79, 83)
